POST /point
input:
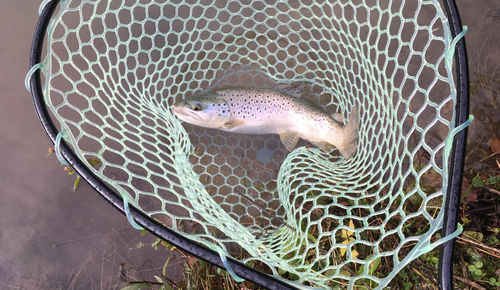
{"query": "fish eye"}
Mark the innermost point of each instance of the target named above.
(196, 107)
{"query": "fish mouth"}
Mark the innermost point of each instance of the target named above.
(177, 110)
(182, 112)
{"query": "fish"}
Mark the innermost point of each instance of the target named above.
(279, 110)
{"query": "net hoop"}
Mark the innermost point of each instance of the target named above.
(194, 248)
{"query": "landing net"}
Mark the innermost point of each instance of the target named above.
(113, 69)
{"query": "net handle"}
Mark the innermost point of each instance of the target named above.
(445, 265)
(181, 242)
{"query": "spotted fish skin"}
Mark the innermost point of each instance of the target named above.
(265, 111)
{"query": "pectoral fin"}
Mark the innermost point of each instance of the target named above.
(289, 139)
(233, 124)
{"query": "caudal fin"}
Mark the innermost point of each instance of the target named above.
(350, 135)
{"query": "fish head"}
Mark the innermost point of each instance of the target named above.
(207, 110)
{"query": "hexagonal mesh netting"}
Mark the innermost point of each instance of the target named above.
(113, 69)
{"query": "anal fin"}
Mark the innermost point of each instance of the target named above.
(289, 139)
(321, 145)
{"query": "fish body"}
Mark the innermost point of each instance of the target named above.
(267, 111)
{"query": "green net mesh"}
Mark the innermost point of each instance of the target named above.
(113, 69)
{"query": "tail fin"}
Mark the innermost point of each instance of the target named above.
(350, 142)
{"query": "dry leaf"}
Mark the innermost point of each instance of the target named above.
(345, 242)
(248, 284)
(474, 235)
(494, 144)
(351, 225)
(346, 234)
(431, 182)
(122, 273)
(354, 254)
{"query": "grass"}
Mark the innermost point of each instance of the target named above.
(477, 267)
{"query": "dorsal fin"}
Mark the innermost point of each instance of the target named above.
(295, 91)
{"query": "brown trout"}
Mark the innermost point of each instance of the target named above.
(268, 111)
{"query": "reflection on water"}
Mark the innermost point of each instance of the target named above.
(484, 73)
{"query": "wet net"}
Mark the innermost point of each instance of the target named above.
(113, 70)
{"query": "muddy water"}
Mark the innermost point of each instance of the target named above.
(484, 71)
(50, 236)
(54, 238)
